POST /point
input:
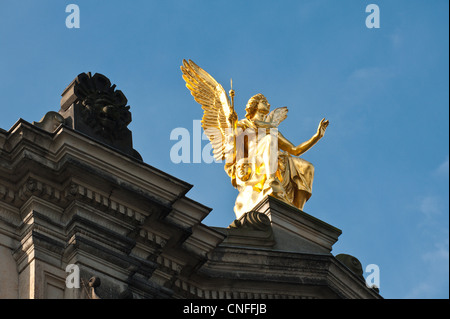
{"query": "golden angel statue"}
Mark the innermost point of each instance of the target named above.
(258, 158)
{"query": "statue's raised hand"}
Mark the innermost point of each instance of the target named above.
(322, 127)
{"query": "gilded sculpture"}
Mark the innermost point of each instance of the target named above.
(258, 158)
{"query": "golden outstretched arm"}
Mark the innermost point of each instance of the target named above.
(298, 150)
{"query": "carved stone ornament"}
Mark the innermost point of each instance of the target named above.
(50, 122)
(253, 220)
(351, 263)
(105, 108)
(94, 282)
(92, 106)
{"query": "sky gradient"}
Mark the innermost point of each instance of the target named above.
(382, 169)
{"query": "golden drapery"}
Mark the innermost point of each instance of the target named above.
(258, 163)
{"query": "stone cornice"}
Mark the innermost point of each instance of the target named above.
(99, 207)
(68, 199)
(54, 150)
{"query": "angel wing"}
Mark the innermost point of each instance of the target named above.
(277, 116)
(215, 104)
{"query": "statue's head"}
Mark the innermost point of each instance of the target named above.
(253, 105)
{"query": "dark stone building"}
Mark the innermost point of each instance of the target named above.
(78, 202)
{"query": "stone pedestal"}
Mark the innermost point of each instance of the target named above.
(295, 230)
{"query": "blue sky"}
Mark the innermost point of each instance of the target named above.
(382, 169)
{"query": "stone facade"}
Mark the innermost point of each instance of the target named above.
(69, 195)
